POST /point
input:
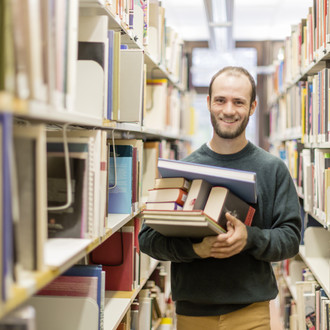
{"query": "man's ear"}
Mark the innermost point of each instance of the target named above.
(208, 101)
(253, 107)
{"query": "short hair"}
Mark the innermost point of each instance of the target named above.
(236, 70)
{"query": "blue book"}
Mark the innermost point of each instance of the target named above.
(110, 73)
(120, 180)
(89, 270)
(6, 201)
(241, 183)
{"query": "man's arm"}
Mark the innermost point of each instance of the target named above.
(166, 248)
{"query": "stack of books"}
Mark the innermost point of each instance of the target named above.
(190, 204)
(168, 194)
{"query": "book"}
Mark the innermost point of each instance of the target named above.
(150, 171)
(182, 223)
(163, 206)
(137, 168)
(222, 200)
(95, 142)
(176, 195)
(31, 178)
(90, 271)
(92, 66)
(67, 214)
(131, 85)
(156, 104)
(116, 255)
(65, 313)
(120, 179)
(7, 211)
(197, 195)
(172, 183)
(242, 183)
(75, 286)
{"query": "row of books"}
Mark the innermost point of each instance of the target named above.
(80, 67)
(303, 302)
(78, 299)
(305, 109)
(146, 20)
(306, 44)
(309, 168)
(66, 184)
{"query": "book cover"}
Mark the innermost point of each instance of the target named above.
(182, 223)
(74, 219)
(163, 206)
(65, 313)
(176, 195)
(7, 209)
(197, 195)
(172, 183)
(75, 286)
(89, 271)
(116, 255)
(92, 66)
(111, 37)
(156, 104)
(31, 228)
(138, 165)
(131, 85)
(242, 183)
(150, 171)
(222, 200)
(30, 172)
(69, 221)
(95, 143)
(120, 179)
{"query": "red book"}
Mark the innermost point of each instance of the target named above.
(116, 255)
(176, 195)
(222, 200)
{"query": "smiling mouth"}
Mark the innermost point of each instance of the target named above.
(229, 121)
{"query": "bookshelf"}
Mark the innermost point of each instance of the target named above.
(298, 103)
(51, 105)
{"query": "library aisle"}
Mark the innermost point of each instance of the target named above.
(93, 93)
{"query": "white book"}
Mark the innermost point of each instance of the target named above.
(131, 85)
(92, 66)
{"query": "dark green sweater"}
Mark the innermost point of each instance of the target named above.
(204, 287)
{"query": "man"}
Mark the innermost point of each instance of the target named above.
(226, 281)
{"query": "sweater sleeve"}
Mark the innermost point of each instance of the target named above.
(166, 248)
(282, 239)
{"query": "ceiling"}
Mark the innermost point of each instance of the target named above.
(251, 19)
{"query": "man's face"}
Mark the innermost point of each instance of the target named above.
(229, 105)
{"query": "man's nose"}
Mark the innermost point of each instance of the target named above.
(228, 108)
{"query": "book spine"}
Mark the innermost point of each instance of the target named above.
(249, 216)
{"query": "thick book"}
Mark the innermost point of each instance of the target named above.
(163, 206)
(116, 255)
(197, 195)
(68, 221)
(172, 183)
(222, 200)
(90, 271)
(242, 183)
(182, 223)
(131, 85)
(31, 185)
(65, 312)
(176, 195)
(120, 179)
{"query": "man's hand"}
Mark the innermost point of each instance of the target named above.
(224, 245)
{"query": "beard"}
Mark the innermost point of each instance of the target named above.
(229, 134)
